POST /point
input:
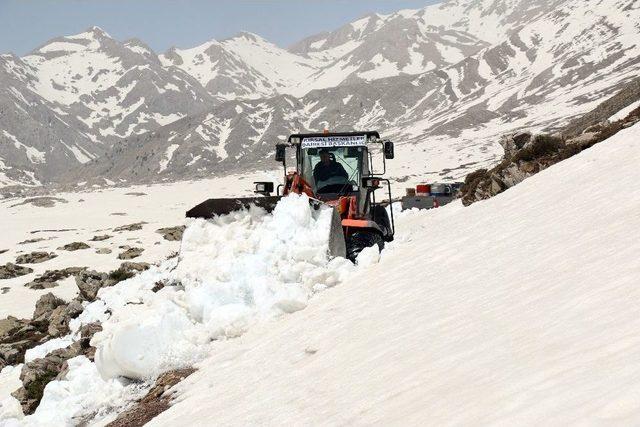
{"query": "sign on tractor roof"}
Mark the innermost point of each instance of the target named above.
(334, 141)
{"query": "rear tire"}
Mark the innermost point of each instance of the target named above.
(360, 240)
(381, 217)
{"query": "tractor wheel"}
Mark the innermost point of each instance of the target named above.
(381, 217)
(360, 240)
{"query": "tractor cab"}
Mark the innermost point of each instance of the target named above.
(343, 170)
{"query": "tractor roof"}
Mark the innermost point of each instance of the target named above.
(367, 134)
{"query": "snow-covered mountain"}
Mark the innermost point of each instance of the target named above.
(554, 61)
(245, 66)
(443, 81)
(116, 89)
(70, 99)
(38, 139)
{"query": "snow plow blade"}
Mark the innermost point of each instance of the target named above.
(215, 207)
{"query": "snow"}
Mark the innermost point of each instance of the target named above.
(479, 315)
(9, 380)
(168, 155)
(318, 45)
(232, 272)
(56, 83)
(360, 25)
(90, 213)
(81, 155)
(61, 46)
(79, 394)
(382, 67)
(46, 348)
(622, 114)
(486, 314)
(450, 54)
(276, 64)
(34, 155)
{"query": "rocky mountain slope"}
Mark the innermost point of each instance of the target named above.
(444, 81)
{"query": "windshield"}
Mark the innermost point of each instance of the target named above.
(335, 170)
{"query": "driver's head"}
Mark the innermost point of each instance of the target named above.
(325, 156)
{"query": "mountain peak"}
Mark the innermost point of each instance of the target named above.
(138, 46)
(247, 35)
(91, 33)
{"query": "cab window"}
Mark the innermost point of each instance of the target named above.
(333, 170)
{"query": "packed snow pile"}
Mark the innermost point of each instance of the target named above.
(232, 272)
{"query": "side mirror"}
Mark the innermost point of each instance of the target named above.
(371, 183)
(281, 152)
(264, 188)
(388, 150)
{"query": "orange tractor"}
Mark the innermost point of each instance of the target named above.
(336, 171)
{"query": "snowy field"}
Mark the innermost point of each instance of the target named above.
(519, 310)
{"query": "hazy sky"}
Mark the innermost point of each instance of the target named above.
(26, 24)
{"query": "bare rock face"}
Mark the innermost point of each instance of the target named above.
(19, 336)
(130, 227)
(45, 306)
(50, 320)
(100, 238)
(9, 326)
(134, 267)
(86, 333)
(49, 279)
(11, 271)
(131, 253)
(154, 403)
(61, 316)
(38, 373)
(29, 241)
(525, 155)
(172, 233)
(35, 257)
(75, 246)
(90, 282)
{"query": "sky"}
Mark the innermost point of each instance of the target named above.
(27, 24)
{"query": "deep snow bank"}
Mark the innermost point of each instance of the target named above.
(231, 272)
(519, 310)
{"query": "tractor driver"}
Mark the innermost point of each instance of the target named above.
(328, 168)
